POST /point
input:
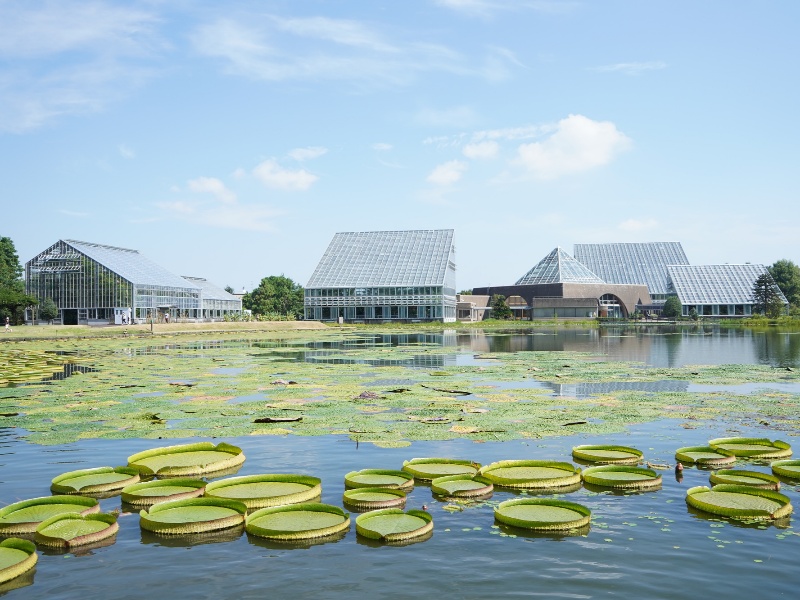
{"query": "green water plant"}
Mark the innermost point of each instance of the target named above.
(462, 486)
(16, 558)
(752, 447)
(739, 502)
(622, 477)
(755, 479)
(383, 478)
(786, 468)
(70, 530)
(543, 514)
(364, 498)
(705, 455)
(392, 525)
(607, 454)
(427, 469)
(188, 460)
(296, 522)
(262, 491)
(23, 517)
(192, 515)
(141, 495)
(532, 474)
(100, 480)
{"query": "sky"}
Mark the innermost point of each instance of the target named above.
(231, 140)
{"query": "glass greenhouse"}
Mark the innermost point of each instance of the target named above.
(380, 276)
(558, 267)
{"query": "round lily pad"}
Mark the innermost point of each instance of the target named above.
(462, 486)
(149, 493)
(298, 521)
(427, 469)
(384, 478)
(102, 480)
(192, 515)
(394, 525)
(752, 447)
(739, 502)
(16, 557)
(188, 460)
(374, 498)
(611, 455)
(787, 468)
(71, 530)
(742, 477)
(622, 477)
(705, 455)
(261, 491)
(532, 474)
(25, 516)
(543, 514)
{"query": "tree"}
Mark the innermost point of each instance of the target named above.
(275, 294)
(13, 299)
(465, 292)
(500, 309)
(672, 308)
(48, 310)
(229, 289)
(767, 296)
(787, 276)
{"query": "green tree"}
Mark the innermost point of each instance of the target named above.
(767, 296)
(229, 289)
(500, 308)
(13, 299)
(787, 276)
(48, 310)
(465, 292)
(672, 308)
(275, 294)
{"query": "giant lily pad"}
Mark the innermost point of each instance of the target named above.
(374, 498)
(705, 455)
(16, 557)
(261, 491)
(188, 460)
(383, 478)
(543, 514)
(71, 530)
(427, 469)
(739, 502)
(393, 525)
(25, 516)
(149, 493)
(532, 474)
(298, 521)
(752, 447)
(622, 477)
(102, 481)
(742, 477)
(612, 455)
(192, 515)
(462, 486)
(787, 468)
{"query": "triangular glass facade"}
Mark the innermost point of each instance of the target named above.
(558, 267)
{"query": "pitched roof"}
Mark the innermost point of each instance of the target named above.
(385, 258)
(715, 284)
(558, 267)
(211, 291)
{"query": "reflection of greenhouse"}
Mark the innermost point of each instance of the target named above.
(93, 283)
(583, 390)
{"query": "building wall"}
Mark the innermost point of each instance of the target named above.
(379, 304)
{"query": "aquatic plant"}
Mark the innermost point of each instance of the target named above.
(70, 530)
(704, 455)
(192, 515)
(188, 459)
(786, 468)
(462, 486)
(427, 469)
(295, 522)
(16, 558)
(743, 477)
(543, 514)
(100, 480)
(379, 478)
(264, 490)
(752, 447)
(392, 525)
(607, 454)
(739, 502)
(364, 498)
(622, 477)
(161, 490)
(24, 516)
(532, 474)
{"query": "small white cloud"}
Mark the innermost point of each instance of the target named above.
(239, 173)
(272, 175)
(212, 185)
(126, 152)
(638, 224)
(447, 173)
(308, 153)
(481, 150)
(578, 144)
(382, 147)
(632, 68)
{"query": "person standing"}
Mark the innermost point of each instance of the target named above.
(8, 324)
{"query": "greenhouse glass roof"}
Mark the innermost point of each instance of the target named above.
(558, 267)
(715, 284)
(211, 291)
(385, 258)
(131, 265)
(633, 263)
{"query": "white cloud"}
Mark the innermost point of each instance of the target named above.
(632, 68)
(456, 117)
(271, 174)
(577, 144)
(212, 185)
(126, 152)
(447, 173)
(308, 153)
(481, 150)
(638, 224)
(382, 147)
(234, 216)
(483, 8)
(239, 173)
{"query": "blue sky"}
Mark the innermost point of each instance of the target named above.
(231, 140)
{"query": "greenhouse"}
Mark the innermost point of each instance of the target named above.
(385, 276)
(95, 284)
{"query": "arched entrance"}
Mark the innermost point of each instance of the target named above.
(612, 307)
